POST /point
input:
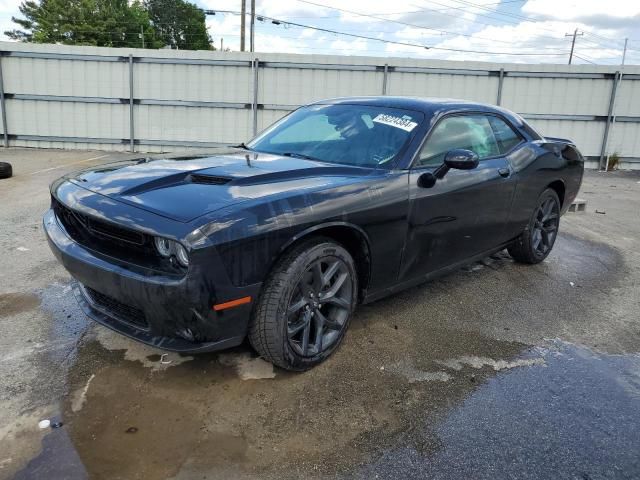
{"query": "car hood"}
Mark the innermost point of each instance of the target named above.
(185, 188)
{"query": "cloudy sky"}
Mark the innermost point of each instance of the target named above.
(454, 29)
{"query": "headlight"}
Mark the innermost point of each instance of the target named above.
(163, 246)
(181, 255)
(168, 248)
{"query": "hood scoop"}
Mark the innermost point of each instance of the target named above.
(208, 179)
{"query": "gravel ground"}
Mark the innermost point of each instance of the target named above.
(498, 370)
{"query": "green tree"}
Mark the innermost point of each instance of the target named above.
(179, 24)
(103, 23)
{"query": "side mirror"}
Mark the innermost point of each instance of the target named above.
(461, 159)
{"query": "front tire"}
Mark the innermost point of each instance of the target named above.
(537, 240)
(305, 305)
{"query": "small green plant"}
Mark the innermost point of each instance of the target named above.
(614, 159)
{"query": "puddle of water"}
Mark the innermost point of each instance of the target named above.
(406, 363)
(148, 356)
(247, 366)
(234, 415)
(68, 322)
(497, 365)
(576, 416)
(14, 303)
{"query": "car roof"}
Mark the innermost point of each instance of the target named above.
(428, 105)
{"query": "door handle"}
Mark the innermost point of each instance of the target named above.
(504, 172)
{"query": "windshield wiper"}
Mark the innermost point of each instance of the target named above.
(242, 146)
(300, 155)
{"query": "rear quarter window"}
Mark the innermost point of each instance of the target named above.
(506, 137)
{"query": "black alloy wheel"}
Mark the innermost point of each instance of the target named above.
(319, 307)
(305, 305)
(545, 227)
(537, 240)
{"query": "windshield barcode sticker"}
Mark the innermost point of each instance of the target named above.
(397, 122)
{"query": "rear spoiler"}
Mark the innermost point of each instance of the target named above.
(559, 140)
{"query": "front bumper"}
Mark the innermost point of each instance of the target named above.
(166, 311)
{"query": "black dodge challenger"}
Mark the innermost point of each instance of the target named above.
(340, 202)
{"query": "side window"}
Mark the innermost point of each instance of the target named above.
(469, 132)
(314, 128)
(506, 137)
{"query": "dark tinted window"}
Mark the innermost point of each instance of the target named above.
(362, 135)
(469, 132)
(506, 137)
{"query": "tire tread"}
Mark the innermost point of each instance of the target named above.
(265, 330)
(522, 250)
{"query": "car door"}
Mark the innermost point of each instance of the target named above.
(465, 212)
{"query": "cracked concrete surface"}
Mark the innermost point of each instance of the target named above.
(498, 370)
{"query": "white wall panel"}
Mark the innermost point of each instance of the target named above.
(467, 87)
(567, 96)
(153, 122)
(103, 73)
(67, 119)
(587, 135)
(192, 82)
(299, 86)
(65, 77)
(625, 140)
(628, 98)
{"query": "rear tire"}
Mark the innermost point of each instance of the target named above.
(536, 241)
(5, 170)
(305, 305)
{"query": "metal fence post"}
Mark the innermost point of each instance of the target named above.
(605, 137)
(254, 104)
(4, 108)
(385, 78)
(131, 130)
(500, 83)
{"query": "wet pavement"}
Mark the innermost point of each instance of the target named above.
(498, 370)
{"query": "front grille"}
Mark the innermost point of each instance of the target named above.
(113, 240)
(120, 311)
(98, 227)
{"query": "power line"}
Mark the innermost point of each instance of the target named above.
(367, 15)
(408, 44)
(581, 58)
(381, 14)
(373, 16)
(524, 17)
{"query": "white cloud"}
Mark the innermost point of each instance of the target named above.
(539, 26)
(357, 45)
(575, 9)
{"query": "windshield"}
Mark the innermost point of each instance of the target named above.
(359, 135)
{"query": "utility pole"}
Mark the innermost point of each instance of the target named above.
(142, 36)
(613, 117)
(222, 44)
(573, 42)
(243, 13)
(253, 26)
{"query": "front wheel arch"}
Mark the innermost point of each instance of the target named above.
(352, 237)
